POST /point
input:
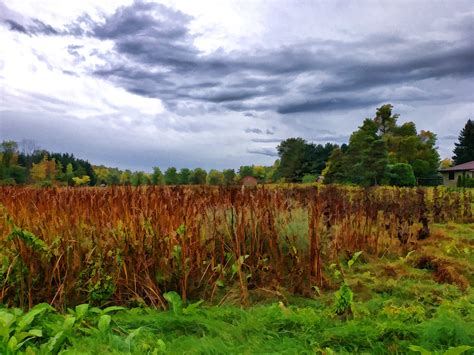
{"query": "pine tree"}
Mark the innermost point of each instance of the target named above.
(464, 151)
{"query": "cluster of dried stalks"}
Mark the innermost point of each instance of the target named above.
(128, 245)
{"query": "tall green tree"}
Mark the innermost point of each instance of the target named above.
(245, 170)
(293, 158)
(198, 177)
(157, 177)
(139, 178)
(380, 142)
(8, 149)
(376, 163)
(215, 177)
(385, 120)
(363, 144)
(299, 158)
(184, 176)
(464, 148)
(229, 176)
(171, 176)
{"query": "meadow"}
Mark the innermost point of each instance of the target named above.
(300, 269)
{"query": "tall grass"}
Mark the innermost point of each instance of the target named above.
(129, 246)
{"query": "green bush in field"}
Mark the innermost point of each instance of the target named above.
(309, 178)
(401, 175)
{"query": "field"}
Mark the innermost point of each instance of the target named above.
(212, 270)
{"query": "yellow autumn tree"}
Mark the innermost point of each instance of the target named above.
(44, 170)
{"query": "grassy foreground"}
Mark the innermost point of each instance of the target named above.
(419, 303)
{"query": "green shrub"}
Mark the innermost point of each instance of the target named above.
(401, 175)
(309, 178)
(465, 181)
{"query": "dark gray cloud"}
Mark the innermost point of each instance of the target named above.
(253, 130)
(151, 35)
(326, 105)
(271, 152)
(155, 56)
(35, 28)
(267, 140)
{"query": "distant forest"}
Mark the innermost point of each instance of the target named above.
(379, 152)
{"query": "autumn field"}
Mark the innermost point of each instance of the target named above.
(301, 269)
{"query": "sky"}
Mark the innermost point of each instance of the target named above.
(219, 83)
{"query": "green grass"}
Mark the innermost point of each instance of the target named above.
(380, 325)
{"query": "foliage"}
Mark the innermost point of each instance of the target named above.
(300, 326)
(215, 177)
(401, 174)
(157, 177)
(380, 143)
(229, 176)
(184, 176)
(32, 165)
(343, 300)
(163, 248)
(465, 181)
(198, 177)
(81, 181)
(171, 176)
(464, 148)
(308, 179)
(299, 158)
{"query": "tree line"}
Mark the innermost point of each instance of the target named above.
(379, 152)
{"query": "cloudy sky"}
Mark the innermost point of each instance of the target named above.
(218, 84)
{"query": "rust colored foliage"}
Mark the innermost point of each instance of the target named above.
(125, 245)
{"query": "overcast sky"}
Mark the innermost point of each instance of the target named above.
(217, 84)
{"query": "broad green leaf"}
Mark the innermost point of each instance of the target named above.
(55, 342)
(12, 344)
(174, 300)
(190, 309)
(96, 310)
(6, 320)
(28, 318)
(354, 258)
(104, 323)
(33, 333)
(113, 309)
(82, 310)
(132, 335)
(420, 349)
(160, 345)
(68, 322)
(458, 350)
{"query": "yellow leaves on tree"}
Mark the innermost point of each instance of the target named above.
(44, 170)
(81, 181)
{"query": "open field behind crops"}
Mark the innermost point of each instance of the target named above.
(325, 269)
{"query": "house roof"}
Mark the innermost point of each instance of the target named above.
(249, 180)
(469, 166)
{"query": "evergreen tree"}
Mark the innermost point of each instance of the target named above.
(229, 176)
(198, 177)
(184, 176)
(464, 151)
(157, 177)
(215, 177)
(171, 176)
